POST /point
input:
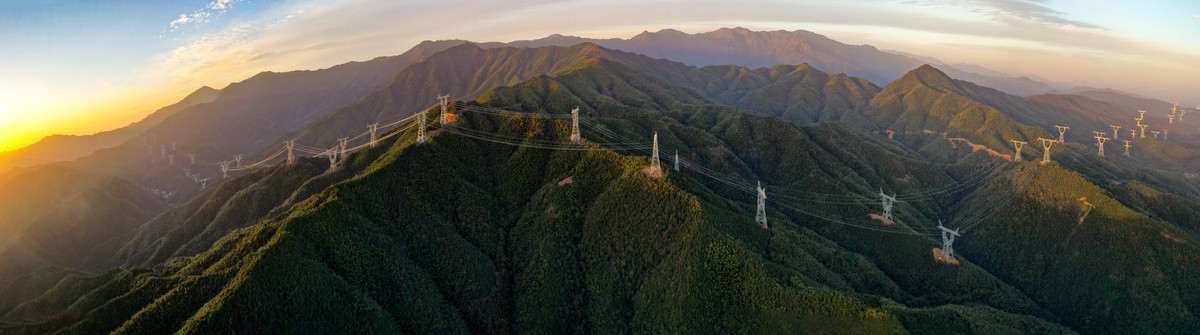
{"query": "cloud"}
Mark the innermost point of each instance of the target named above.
(1027, 10)
(202, 15)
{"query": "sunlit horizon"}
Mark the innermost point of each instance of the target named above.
(81, 68)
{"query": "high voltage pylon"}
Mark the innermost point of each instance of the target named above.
(192, 157)
(291, 145)
(1126, 148)
(947, 240)
(1018, 145)
(1046, 144)
(421, 138)
(238, 159)
(1062, 131)
(1100, 139)
(445, 114)
(332, 154)
(1132, 133)
(888, 201)
(1165, 133)
(224, 169)
(655, 165)
(575, 137)
(1155, 133)
(1115, 129)
(342, 147)
(676, 160)
(1143, 129)
(760, 215)
(203, 183)
(373, 128)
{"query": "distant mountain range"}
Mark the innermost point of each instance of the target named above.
(57, 148)
(754, 49)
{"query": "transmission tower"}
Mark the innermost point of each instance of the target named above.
(203, 183)
(1046, 144)
(1062, 131)
(333, 158)
(655, 165)
(1132, 133)
(1141, 115)
(342, 147)
(193, 158)
(291, 144)
(1115, 129)
(575, 138)
(1155, 133)
(1126, 148)
(1018, 145)
(760, 215)
(947, 240)
(421, 138)
(676, 160)
(373, 128)
(1143, 129)
(224, 170)
(445, 114)
(1100, 142)
(888, 201)
(171, 159)
(1165, 132)
(238, 159)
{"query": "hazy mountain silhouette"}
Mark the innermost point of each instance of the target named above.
(66, 218)
(56, 148)
(756, 49)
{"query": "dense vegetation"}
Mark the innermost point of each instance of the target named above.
(462, 235)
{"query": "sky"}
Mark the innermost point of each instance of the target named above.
(79, 67)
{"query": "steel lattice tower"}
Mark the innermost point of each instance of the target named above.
(1018, 145)
(575, 137)
(760, 215)
(655, 165)
(947, 240)
(1046, 144)
(1100, 139)
(421, 138)
(888, 201)
(445, 115)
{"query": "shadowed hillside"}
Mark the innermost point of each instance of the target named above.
(66, 218)
(462, 235)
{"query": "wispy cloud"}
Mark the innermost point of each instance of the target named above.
(1026, 10)
(202, 15)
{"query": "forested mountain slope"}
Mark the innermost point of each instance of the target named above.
(462, 235)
